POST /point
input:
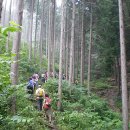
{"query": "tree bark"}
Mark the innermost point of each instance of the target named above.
(62, 38)
(0, 9)
(73, 69)
(49, 41)
(15, 49)
(31, 29)
(41, 36)
(117, 71)
(47, 37)
(51, 37)
(3, 12)
(47, 29)
(67, 45)
(16, 42)
(9, 18)
(123, 68)
(35, 44)
(79, 45)
(72, 46)
(82, 50)
(90, 51)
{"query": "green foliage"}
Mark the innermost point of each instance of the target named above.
(101, 84)
(51, 86)
(5, 58)
(27, 117)
(4, 71)
(87, 119)
(27, 68)
(26, 113)
(81, 111)
(107, 39)
(12, 28)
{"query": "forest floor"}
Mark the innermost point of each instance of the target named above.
(111, 95)
(52, 125)
(113, 98)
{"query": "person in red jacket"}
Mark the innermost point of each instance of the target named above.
(47, 107)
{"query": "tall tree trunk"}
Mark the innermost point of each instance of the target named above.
(79, 45)
(41, 36)
(123, 68)
(9, 18)
(82, 50)
(117, 71)
(53, 39)
(72, 46)
(16, 42)
(67, 44)
(35, 44)
(47, 30)
(7, 12)
(89, 55)
(3, 12)
(31, 29)
(1, 2)
(49, 39)
(62, 38)
(64, 49)
(15, 49)
(73, 66)
(76, 46)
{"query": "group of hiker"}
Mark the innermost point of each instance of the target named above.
(34, 88)
(34, 80)
(42, 98)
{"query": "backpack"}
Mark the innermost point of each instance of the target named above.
(30, 89)
(29, 86)
(40, 92)
(47, 104)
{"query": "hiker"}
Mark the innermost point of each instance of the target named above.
(40, 94)
(56, 75)
(36, 77)
(63, 76)
(47, 107)
(43, 78)
(51, 74)
(33, 78)
(76, 82)
(46, 76)
(30, 86)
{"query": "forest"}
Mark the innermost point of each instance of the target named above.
(64, 64)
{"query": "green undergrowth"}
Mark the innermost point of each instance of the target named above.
(101, 84)
(82, 112)
(28, 68)
(79, 111)
(26, 116)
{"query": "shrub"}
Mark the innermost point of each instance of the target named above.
(82, 111)
(27, 117)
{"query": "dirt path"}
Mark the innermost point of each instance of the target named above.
(52, 125)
